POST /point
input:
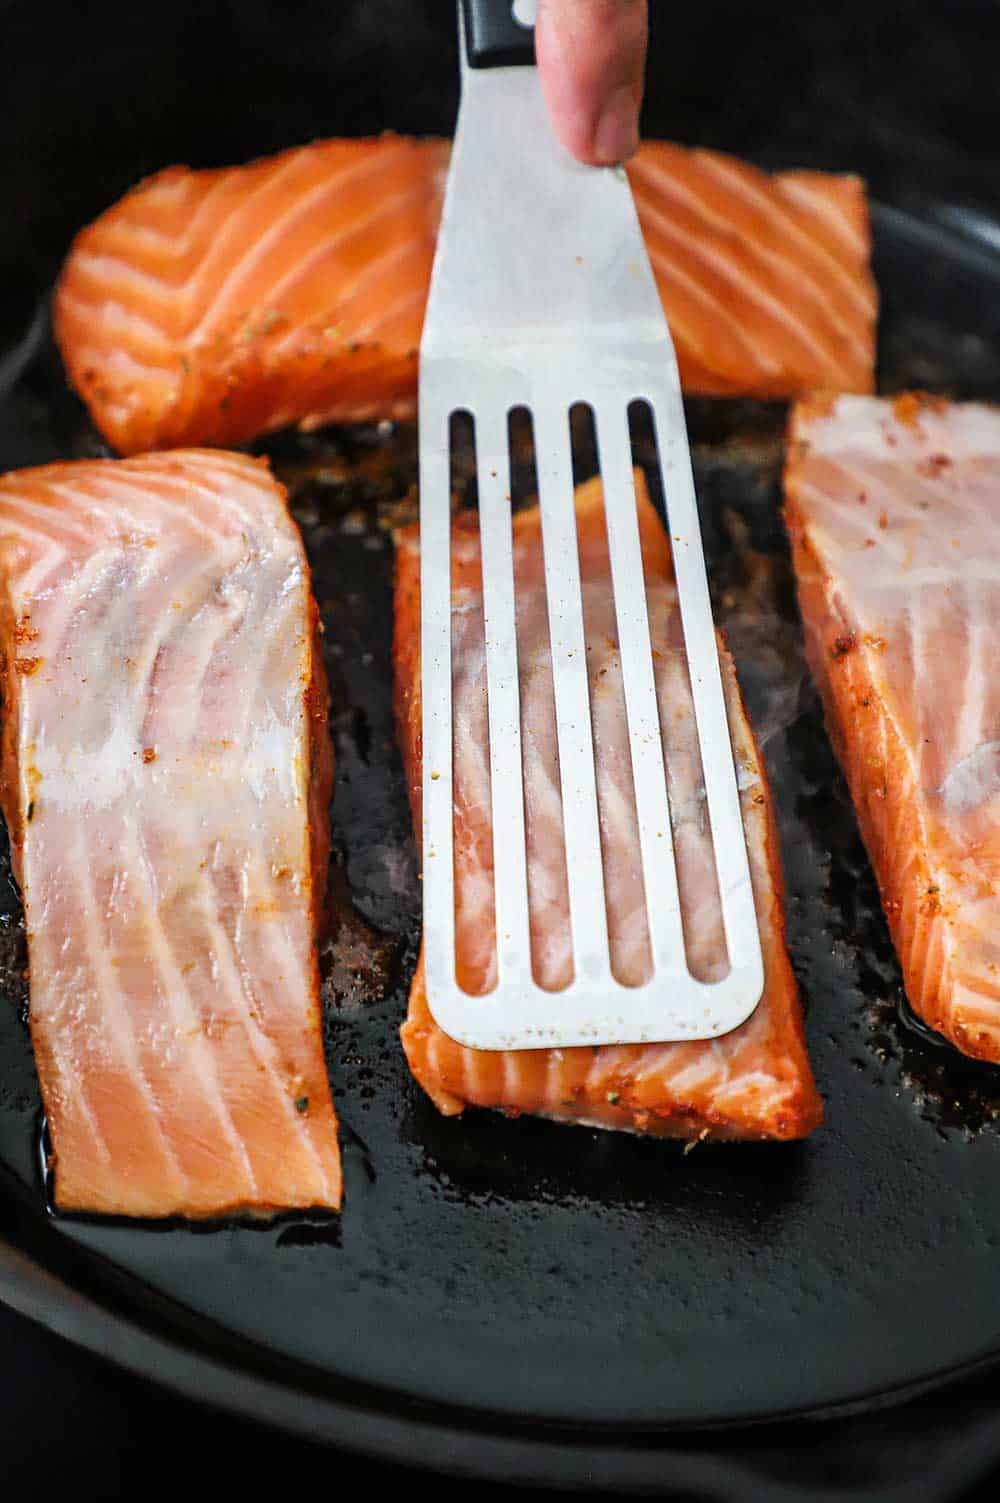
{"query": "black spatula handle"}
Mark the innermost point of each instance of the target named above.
(494, 38)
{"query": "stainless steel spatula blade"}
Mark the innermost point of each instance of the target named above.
(542, 297)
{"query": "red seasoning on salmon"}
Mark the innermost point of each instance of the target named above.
(893, 509)
(753, 1083)
(214, 306)
(166, 774)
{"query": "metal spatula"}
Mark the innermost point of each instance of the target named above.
(542, 297)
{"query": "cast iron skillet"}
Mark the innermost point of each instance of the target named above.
(522, 1299)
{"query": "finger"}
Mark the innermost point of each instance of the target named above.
(592, 59)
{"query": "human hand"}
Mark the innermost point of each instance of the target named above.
(592, 60)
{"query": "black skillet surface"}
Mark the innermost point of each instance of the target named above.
(494, 1287)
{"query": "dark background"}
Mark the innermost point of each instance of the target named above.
(905, 94)
(74, 1427)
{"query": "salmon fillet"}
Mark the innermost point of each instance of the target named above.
(892, 509)
(166, 773)
(209, 307)
(765, 279)
(753, 1083)
(213, 306)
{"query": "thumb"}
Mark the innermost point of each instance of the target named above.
(592, 58)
